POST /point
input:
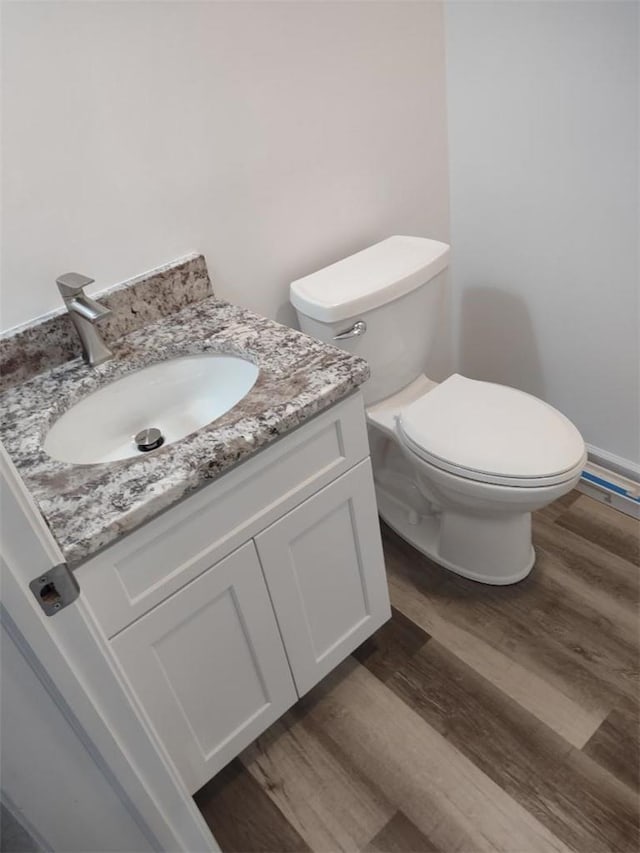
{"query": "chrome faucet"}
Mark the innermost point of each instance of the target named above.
(85, 313)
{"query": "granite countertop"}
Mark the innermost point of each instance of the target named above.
(90, 506)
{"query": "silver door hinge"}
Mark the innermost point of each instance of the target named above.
(56, 588)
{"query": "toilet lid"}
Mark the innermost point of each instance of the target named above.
(492, 432)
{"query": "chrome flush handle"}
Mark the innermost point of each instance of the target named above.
(358, 328)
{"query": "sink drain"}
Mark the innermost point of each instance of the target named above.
(149, 439)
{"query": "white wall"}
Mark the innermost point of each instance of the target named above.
(543, 136)
(274, 137)
(277, 137)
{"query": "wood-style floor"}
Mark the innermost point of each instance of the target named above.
(478, 719)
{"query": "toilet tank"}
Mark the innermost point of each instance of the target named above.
(395, 288)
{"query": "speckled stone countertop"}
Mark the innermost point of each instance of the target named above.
(90, 506)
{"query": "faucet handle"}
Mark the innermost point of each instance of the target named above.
(71, 283)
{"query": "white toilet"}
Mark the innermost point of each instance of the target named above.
(460, 465)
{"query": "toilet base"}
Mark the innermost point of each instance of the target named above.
(498, 545)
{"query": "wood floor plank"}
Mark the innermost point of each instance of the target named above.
(535, 623)
(400, 835)
(575, 723)
(328, 803)
(502, 620)
(478, 719)
(242, 817)
(600, 651)
(450, 800)
(605, 526)
(391, 646)
(523, 756)
(616, 744)
(607, 582)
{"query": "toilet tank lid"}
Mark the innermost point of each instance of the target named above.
(370, 278)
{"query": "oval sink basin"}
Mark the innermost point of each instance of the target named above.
(176, 397)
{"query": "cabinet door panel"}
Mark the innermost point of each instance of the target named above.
(208, 666)
(325, 571)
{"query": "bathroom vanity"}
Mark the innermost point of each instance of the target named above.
(231, 570)
(226, 608)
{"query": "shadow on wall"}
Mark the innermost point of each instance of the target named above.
(286, 315)
(497, 340)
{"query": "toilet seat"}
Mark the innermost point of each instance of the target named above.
(491, 433)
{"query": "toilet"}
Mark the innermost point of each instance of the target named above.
(460, 465)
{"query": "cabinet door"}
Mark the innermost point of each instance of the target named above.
(325, 571)
(208, 666)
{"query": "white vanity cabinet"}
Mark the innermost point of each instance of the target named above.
(227, 607)
(209, 667)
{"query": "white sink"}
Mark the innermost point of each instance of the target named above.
(177, 397)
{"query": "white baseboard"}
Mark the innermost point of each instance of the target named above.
(611, 462)
(612, 480)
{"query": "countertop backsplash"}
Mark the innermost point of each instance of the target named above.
(49, 341)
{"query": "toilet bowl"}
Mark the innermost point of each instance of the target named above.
(472, 456)
(459, 465)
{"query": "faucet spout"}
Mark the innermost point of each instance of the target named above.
(85, 313)
(88, 308)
